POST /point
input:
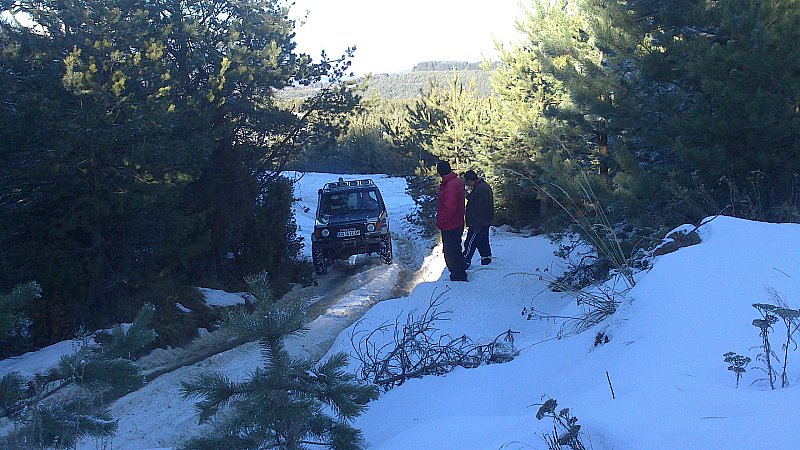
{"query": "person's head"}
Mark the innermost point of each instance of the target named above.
(470, 177)
(443, 168)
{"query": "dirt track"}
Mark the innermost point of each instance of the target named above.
(342, 279)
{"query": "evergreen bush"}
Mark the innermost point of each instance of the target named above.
(69, 403)
(288, 402)
(14, 320)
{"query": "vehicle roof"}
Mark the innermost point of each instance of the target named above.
(345, 185)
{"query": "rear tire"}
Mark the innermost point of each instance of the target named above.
(385, 250)
(320, 264)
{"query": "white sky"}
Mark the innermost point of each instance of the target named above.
(664, 357)
(394, 36)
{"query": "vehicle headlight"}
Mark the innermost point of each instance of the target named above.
(370, 227)
(326, 232)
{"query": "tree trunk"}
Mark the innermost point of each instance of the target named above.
(602, 156)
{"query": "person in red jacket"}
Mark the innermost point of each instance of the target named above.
(450, 220)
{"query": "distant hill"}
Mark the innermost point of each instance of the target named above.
(411, 84)
(429, 66)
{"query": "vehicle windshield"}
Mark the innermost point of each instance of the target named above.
(334, 203)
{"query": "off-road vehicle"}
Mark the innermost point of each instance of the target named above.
(351, 220)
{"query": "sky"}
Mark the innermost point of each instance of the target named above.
(394, 36)
(659, 380)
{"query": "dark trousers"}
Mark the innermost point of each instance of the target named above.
(477, 238)
(451, 244)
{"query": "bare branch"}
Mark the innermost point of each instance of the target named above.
(416, 348)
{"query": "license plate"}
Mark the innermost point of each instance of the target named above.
(347, 233)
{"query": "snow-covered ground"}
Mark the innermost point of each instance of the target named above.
(663, 356)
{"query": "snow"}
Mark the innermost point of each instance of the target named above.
(664, 356)
(40, 361)
(217, 297)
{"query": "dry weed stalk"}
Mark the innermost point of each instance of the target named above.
(599, 304)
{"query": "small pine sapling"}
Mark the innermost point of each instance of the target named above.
(288, 403)
(765, 325)
(87, 379)
(738, 364)
(12, 395)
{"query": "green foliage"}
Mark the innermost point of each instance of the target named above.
(726, 103)
(445, 66)
(173, 326)
(110, 364)
(145, 146)
(100, 163)
(12, 394)
(125, 342)
(377, 140)
(88, 378)
(14, 321)
(87, 368)
(572, 109)
(283, 403)
(412, 85)
(669, 112)
(424, 189)
(389, 134)
(63, 424)
(449, 121)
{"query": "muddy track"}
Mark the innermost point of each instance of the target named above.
(327, 290)
(341, 279)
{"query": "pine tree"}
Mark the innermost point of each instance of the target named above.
(552, 85)
(728, 72)
(14, 321)
(96, 158)
(283, 403)
(145, 147)
(57, 417)
(584, 118)
(449, 122)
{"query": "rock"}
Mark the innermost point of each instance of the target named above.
(677, 239)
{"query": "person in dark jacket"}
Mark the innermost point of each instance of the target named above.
(479, 216)
(450, 220)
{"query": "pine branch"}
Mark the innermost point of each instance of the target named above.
(215, 389)
(125, 342)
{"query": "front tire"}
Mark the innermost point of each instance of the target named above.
(320, 263)
(385, 250)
